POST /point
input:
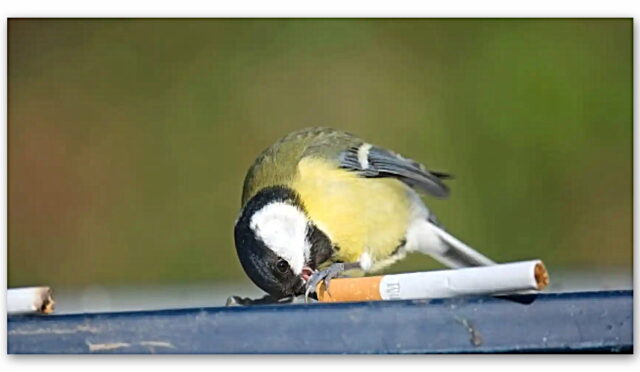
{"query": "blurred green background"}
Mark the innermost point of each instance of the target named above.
(129, 139)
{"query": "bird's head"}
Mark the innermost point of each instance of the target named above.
(279, 247)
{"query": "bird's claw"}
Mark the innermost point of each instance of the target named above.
(325, 275)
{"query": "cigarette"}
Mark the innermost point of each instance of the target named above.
(500, 279)
(30, 300)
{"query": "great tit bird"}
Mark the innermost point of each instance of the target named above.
(321, 201)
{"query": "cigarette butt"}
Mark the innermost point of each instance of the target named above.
(34, 300)
(501, 279)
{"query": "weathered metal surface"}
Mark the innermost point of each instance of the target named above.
(564, 322)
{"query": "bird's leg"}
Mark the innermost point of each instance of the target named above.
(265, 300)
(327, 274)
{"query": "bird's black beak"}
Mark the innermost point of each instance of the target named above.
(303, 280)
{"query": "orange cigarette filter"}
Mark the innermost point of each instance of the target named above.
(348, 289)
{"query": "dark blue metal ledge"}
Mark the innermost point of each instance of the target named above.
(559, 323)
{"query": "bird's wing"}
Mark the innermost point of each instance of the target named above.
(372, 161)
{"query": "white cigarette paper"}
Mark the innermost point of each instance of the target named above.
(30, 300)
(496, 279)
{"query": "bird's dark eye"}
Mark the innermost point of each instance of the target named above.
(282, 266)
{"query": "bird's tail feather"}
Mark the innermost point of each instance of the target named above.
(455, 253)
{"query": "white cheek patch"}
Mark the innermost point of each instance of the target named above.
(283, 229)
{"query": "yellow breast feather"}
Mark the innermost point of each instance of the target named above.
(358, 214)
